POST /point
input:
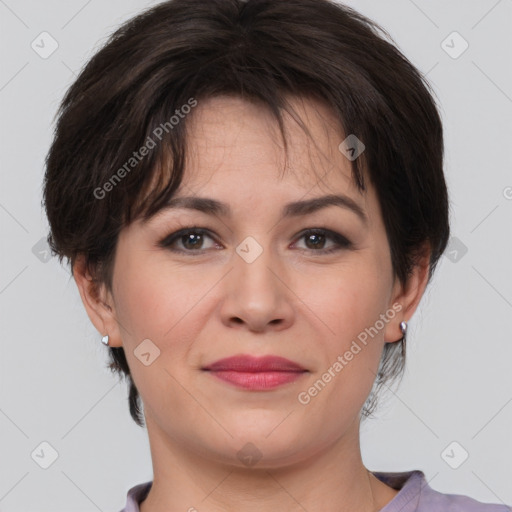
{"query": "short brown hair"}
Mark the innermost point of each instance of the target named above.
(262, 50)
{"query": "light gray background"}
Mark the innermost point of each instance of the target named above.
(458, 384)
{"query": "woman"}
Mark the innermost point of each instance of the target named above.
(251, 196)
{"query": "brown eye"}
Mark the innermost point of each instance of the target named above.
(192, 241)
(187, 240)
(316, 239)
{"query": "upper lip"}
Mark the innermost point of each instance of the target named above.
(247, 363)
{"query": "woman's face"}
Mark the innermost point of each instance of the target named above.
(254, 282)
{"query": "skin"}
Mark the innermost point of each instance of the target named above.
(292, 301)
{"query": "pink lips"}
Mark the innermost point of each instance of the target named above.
(256, 373)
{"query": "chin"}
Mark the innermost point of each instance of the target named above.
(265, 445)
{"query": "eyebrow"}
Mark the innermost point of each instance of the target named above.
(295, 209)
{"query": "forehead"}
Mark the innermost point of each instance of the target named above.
(231, 138)
(236, 166)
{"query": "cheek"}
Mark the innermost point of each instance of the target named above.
(167, 305)
(349, 299)
(352, 348)
(350, 302)
(155, 304)
(156, 299)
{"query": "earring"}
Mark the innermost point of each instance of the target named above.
(105, 339)
(403, 328)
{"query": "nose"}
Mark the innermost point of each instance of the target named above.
(257, 295)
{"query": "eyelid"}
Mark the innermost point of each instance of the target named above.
(340, 240)
(181, 231)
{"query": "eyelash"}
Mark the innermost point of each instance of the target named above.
(341, 241)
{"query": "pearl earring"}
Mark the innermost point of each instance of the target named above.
(403, 328)
(105, 339)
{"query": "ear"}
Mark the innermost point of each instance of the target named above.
(408, 295)
(98, 302)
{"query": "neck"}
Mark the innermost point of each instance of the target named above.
(332, 480)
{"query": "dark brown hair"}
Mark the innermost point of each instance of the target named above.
(183, 51)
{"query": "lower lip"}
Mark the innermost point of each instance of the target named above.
(257, 381)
